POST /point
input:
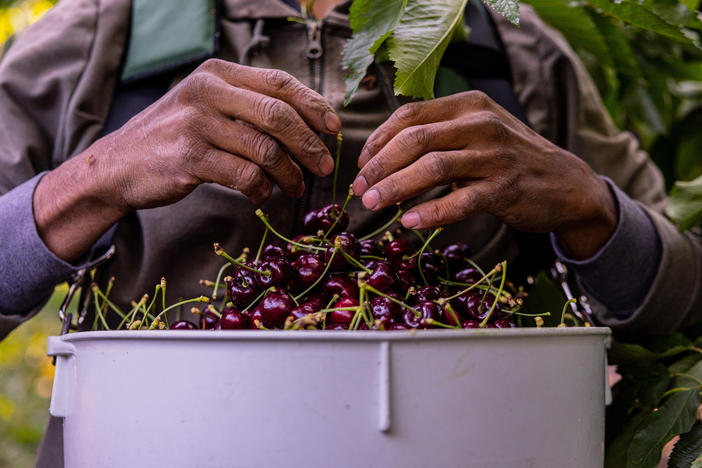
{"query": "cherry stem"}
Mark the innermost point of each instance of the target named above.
(385, 226)
(204, 299)
(421, 251)
(129, 317)
(453, 315)
(354, 262)
(503, 266)
(431, 321)
(565, 307)
(163, 299)
(419, 235)
(316, 282)
(147, 310)
(474, 285)
(371, 257)
(98, 309)
(338, 215)
(265, 221)
(474, 265)
(334, 298)
(260, 246)
(687, 376)
(400, 303)
(339, 139)
(110, 284)
(216, 283)
(219, 251)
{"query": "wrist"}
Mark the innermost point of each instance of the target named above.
(594, 222)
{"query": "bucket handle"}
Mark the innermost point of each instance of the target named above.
(65, 375)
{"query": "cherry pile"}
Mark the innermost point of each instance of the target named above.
(328, 279)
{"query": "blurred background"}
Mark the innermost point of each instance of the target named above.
(650, 82)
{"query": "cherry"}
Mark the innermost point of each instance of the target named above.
(405, 279)
(275, 308)
(432, 266)
(370, 247)
(349, 244)
(337, 326)
(279, 273)
(208, 320)
(399, 326)
(504, 323)
(306, 270)
(323, 219)
(470, 324)
(472, 305)
(273, 251)
(468, 276)
(256, 318)
(293, 251)
(314, 303)
(386, 310)
(242, 288)
(311, 222)
(427, 293)
(428, 310)
(232, 319)
(342, 286)
(455, 254)
(383, 277)
(397, 252)
(343, 316)
(183, 325)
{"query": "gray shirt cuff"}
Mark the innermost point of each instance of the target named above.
(28, 269)
(620, 275)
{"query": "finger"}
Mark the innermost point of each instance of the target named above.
(418, 113)
(231, 171)
(259, 148)
(405, 148)
(279, 120)
(313, 108)
(456, 206)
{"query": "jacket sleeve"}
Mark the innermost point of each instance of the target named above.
(563, 105)
(56, 83)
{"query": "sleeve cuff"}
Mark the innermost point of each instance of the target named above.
(635, 247)
(29, 269)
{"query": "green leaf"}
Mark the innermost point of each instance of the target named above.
(623, 57)
(625, 353)
(507, 8)
(649, 381)
(687, 449)
(419, 41)
(676, 415)
(545, 296)
(372, 22)
(640, 16)
(685, 203)
(576, 25)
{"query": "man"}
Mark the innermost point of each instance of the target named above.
(254, 132)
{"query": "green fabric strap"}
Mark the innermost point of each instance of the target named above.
(166, 34)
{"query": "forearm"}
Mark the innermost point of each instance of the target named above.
(74, 205)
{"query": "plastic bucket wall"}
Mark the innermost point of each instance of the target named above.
(438, 398)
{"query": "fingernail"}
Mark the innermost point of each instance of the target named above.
(410, 219)
(331, 120)
(370, 199)
(326, 165)
(360, 185)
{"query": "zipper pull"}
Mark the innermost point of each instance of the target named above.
(314, 40)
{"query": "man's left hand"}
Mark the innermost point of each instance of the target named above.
(498, 165)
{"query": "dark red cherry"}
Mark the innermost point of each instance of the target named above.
(470, 324)
(256, 318)
(432, 266)
(314, 303)
(337, 326)
(427, 293)
(428, 310)
(279, 276)
(468, 276)
(306, 270)
(311, 222)
(328, 215)
(208, 319)
(342, 286)
(386, 310)
(232, 319)
(471, 305)
(294, 251)
(383, 277)
(397, 252)
(370, 247)
(349, 244)
(242, 288)
(399, 326)
(183, 325)
(405, 279)
(455, 254)
(273, 251)
(275, 308)
(343, 316)
(504, 323)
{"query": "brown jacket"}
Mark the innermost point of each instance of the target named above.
(56, 84)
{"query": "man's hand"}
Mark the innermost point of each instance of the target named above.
(225, 123)
(498, 165)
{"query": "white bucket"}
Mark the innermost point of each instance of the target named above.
(439, 398)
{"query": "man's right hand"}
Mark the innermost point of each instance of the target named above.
(225, 123)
